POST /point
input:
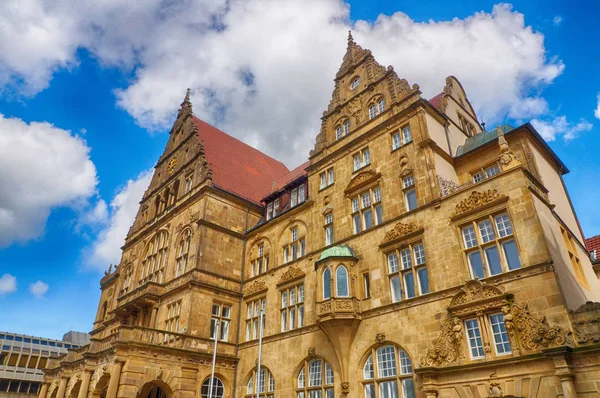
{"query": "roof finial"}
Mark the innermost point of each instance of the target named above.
(350, 38)
(187, 96)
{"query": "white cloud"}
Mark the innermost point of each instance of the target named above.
(262, 69)
(123, 208)
(41, 167)
(559, 126)
(597, 111)
(38, 289)
(8, 284)
(557, 20)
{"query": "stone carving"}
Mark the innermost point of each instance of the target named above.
(291, 274)
(533, 332)
(447, 347)
(380, 338)
(355, 108)
(361, 179)
(159, 374)
(345, 387)
(507, 157)
(475, 290)
(312, 352)
(495, 390)
(446, 186)
(403, 164)
(477, 199)
(255, 287)
(399, 231)
(586, 322)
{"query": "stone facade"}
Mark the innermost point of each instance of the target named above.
(411, 254)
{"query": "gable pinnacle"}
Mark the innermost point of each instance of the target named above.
(350, 39)
(187, 96)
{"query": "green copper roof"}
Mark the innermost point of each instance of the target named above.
(481, 139)
(337, 251)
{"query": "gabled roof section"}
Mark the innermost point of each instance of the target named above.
(437, 101)
(355, 54)
(282, 182)
(237, 167)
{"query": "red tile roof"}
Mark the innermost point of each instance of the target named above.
(593, 243)
(237, 167)
(284, 180)
(435, 101)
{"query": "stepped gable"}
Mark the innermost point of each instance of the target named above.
(237, 167)
(280, 183)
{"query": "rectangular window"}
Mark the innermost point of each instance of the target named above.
(172, 318)
(396, 141)
(323, 178)
(366, 285)
(406, 135)
(407, 270)
(410, 193)
(492, 171)
(367, 209)
(292, 310)
(474, 338)
(269, 211)
(485, 173)
(294, 197)
(221, 317)
(477, 177)
(501, 341)
(188, 184)
(327, 178)
(361, 159)
(489, 246)
(301, 193)
(253, 316)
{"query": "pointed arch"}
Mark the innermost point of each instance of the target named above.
(326, 283)
(342, 282)
(183, 251)
(155, 259)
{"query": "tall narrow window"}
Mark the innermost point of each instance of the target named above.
(188, 183)
(410, 192)
(490, 247)
(260, 264)
(292, 308)
(474, 338)
(326, 284)
(341, 282)
(501, 341)
(183, 251)
(302, 193)
(221, 317)
(361, 159)
(573, 256)
(347, 127)
(253, 316)
(320, 380)
(296, 248)
(153, 267)
(367, 210)
(381, 105)
(172, 318)
(328, 229)
(372, 111)
(269, 210)
(326, 178)
(127, 277)
(366, 285)
(390, 375)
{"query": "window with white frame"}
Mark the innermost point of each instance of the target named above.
(390, 375)
(490, 246)
(252, 318)
(361, 159)
(219, 321)
(328, 229)
(376, 108)
(366, 280)
(402, 137)
(339, 285)
(485, 172)
(188, 183)
(153, 267)
(474, 338)
(172, 318)
(410, 192)
(298, 195)
(367, 210)
(407, 270)
(342, 129)
(183, 251)
(273, 209)
(315, 380)
(127, 277)
(260, 265)
(292, 308)
(327, 283)
(296, 248)
(264, 384)
(499, 334)
(218, 388)
(326, 178)
(355, 83)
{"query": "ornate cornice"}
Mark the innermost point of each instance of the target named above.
(254, 288)
(400, 231)
(477, 201)
(292, 274)
(361, 180)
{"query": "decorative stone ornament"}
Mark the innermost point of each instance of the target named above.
(291, 274)
(380, 338)
(312, 352)
(478, 199)
(400, 231)
(447, 347)
(495, 390)
(255, 287)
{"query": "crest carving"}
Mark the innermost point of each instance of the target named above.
(345, 387)
(291, 274)
(447, 347)
(312, 352)
(399, 231)
(355, 107)
(474, 291)
(446, 186)
(477, 199)
(362, 179)
(533, 333)
(380, 338)
(255, 287)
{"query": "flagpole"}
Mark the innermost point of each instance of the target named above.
(214, 361)
(259, 354)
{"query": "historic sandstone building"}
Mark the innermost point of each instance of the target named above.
(414, 254)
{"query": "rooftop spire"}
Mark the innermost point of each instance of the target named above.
(350, 39)
(186, 105)
(187, 96)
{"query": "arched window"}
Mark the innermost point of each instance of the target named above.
(339, 133)
(320, 380)
(347, 127)
(127, 275)
(183, 250)
(218, 389)
(265, 384)
(341, 282)
(381, 105)
(390, 375)
(103, 311)
(355, 82)
(326, 284)
(372, 111)
(153, 267)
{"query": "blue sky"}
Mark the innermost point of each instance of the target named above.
(87, 96)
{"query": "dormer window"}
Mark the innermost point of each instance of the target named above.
(298, 195)
(355, 83)
(273, 209)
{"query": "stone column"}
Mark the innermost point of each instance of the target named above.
(85, 384)
(115, 375)
(44, 390)
(62, 386)
(153, 314)
(568, 386)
